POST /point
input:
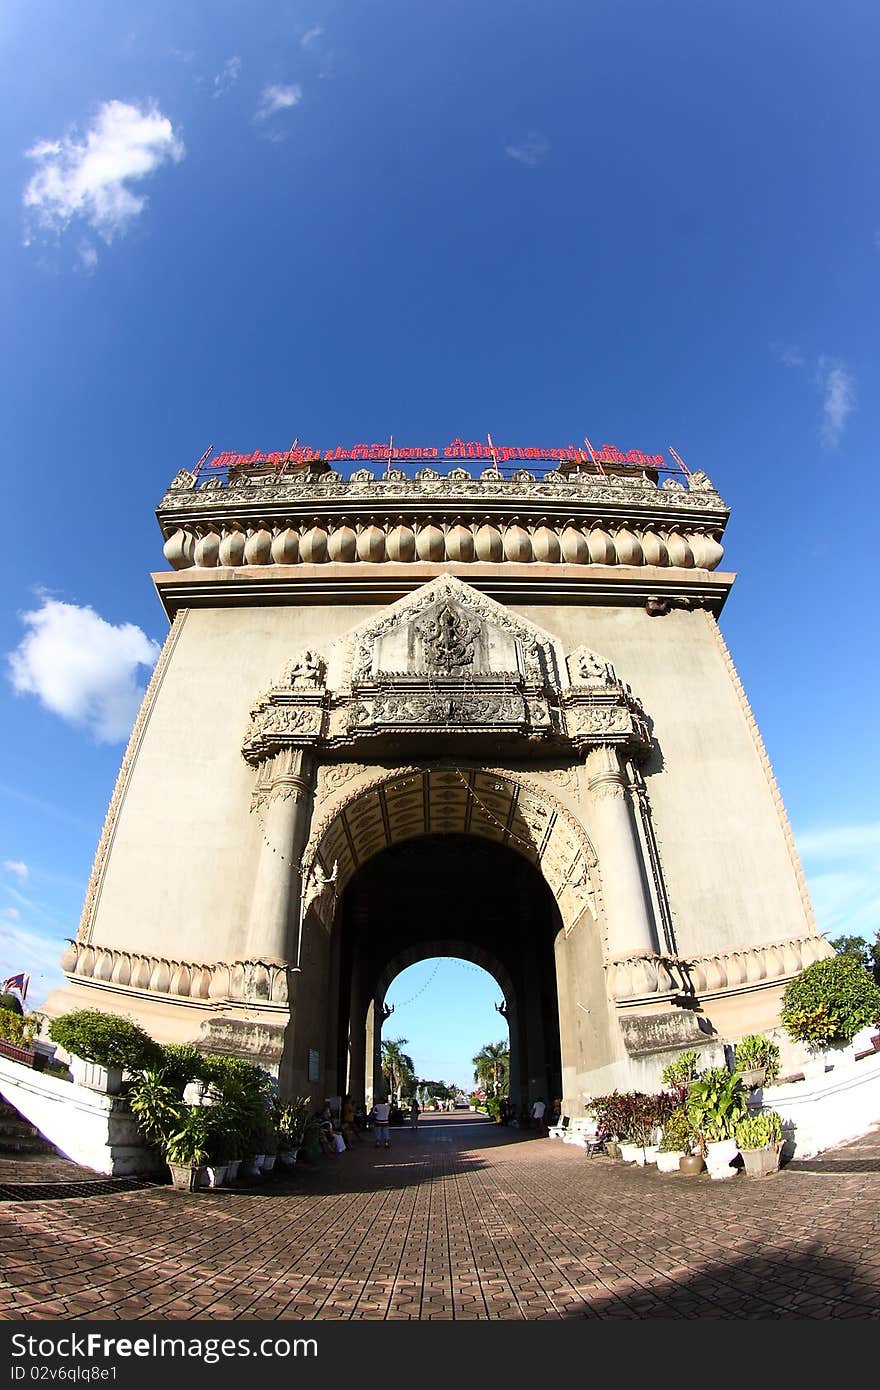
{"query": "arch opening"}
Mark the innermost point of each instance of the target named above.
(449, 894)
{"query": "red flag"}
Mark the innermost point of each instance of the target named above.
(19, 982)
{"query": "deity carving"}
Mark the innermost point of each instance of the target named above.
(307, 669)
(448, 639)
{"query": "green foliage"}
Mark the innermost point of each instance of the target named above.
(157, 1107)
(18, 1029)
(716, 1103)
(183, 1063)
(291, 1119)
(855, 946)
(11, 1003)
(237, 1120)
(815, 1027)
(678, 1133)
(756, 1051)
(680, 1073)
(398, 1071)
(189, 1142)
(493, 1107)
(492, 1068)
(759, 1131)
(106, 1039)
(843, 988)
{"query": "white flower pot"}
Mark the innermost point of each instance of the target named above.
(253, 1167)
(719, 1157)
(668, 1162)
(630, 1153)
(104, 1079)
(650, 1154)
(217, 1174)
(268, 1162)
(287, 1158)
(232, 1170)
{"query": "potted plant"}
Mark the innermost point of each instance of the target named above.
(291, 1118)
(17, 1032)
(760, 1141)
(677, 1142)
(186, 1150)
(103, 1046)
(757, 1060)
(827, 1004)
(678, 1075)
(716, 1104)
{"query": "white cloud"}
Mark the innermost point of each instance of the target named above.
(90, 178)
(842, 865)
(17, 867)
(530, 151)
(311, 35)
(790, 355)
(227, 76)
(276, 98)
(82, 668)
(838, 387)
(11, 912)
(88, 255)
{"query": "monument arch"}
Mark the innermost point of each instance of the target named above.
(531, 665)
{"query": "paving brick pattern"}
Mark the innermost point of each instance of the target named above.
(461, 1221)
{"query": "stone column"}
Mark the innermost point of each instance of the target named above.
(627, 909)
(285, 817)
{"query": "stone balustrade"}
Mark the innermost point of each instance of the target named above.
(224, 544)
(248, 981)
(646, 976)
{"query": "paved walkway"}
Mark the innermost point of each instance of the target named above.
(461, 1220)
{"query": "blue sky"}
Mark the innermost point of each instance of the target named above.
(238, 224)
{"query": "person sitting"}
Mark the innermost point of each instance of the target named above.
(349, 1127)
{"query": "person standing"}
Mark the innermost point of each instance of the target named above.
(414, 1111)
(381, 1132)
(538, 1114)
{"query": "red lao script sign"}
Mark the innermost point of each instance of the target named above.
(458, 449)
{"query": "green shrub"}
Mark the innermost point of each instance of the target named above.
(18, 1029)
(759, 1131)
(106, 1039)
(181, 1064)
(680, 1073)
(757, 1051)
(189, 1142)
(842, 988)
(716, 1104)
(678, 1134)
(11, 1003)
(157, 1107)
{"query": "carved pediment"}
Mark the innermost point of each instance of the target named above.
(448, 627)
(447, 662)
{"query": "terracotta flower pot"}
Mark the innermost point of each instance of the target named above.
(691, 1164)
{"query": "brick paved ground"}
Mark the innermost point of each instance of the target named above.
(464, 1220)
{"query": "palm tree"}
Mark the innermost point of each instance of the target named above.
(492, 1067)
(398, 1070)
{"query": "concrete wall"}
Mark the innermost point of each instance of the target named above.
(723, 849)
(186, 808)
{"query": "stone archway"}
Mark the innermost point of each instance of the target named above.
(446, 894)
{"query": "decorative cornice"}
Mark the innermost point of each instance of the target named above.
(260, 983)
(108, 829)
(648, 978)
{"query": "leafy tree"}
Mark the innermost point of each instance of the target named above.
(492, 1068)
(865, 952)
(398, 1071)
